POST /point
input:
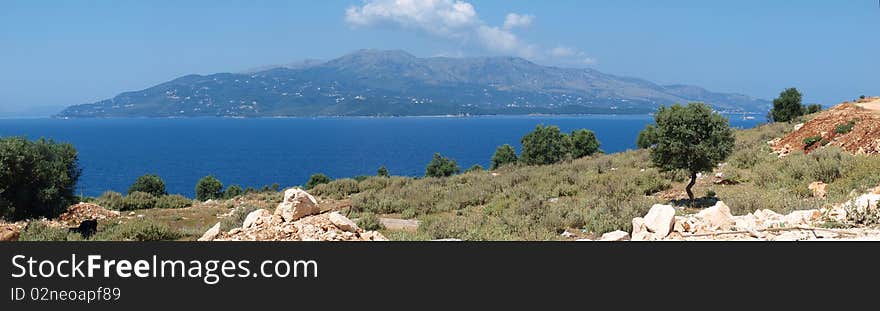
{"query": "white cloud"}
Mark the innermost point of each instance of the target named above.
(456, 20)
(514, 20)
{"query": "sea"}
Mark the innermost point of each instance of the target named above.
(263, 151)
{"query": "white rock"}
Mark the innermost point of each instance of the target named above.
(253, 217)
(660, 219)
(798, 126)
(717, 217)
(343, 222)
(566, 234)
(211, 233)
(802, 218)
(864, 202)
(618, 235)
(297, 204)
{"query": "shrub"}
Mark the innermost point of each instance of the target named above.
(810, 141)
(646, 137)
(148, 183)
(813, 108)
(691, 138)
(441, 166)
(236, 219)
(209, 188)
(316, 179)
(39, 231)
(369, 221)
(138, 200)
(583, 143)
(544, 145)
(845, 128)
(382, 172)
(139, 230)
(173, 201)
(110, 199)
(337, 189)
(475, 168)
(787, 106)
(37, 178)
(504, 155)
(233, 191)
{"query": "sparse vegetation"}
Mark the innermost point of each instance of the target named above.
(317, 179)
(475, 168)
(810, 141)
(845, 128)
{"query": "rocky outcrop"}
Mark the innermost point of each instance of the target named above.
(211, 233)
(297, 218)
(78, 213)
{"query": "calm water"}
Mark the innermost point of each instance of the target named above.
(256, 152)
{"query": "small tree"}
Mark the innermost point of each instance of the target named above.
(148, 183)
(583, 143)
(787, 106)
(37, 178)
(544, 145)
(646, 137)
(691, 138)
(441, 166)
(814, 108)
(233, 191)
(209, 188)
(475, 168)
(382, 172)
(505, 154)
(317, 179)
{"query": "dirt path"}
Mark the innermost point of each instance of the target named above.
(399, 224)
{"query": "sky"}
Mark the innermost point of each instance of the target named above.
(59, 53)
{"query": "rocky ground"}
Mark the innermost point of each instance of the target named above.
(863, 138)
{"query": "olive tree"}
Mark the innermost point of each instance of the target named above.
(37, 178)
(504, 155)
(691, 138)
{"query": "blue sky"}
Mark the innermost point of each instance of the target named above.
(58, 53)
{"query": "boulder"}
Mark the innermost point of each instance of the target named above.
(297, 204)
(343, 222)
(746, 222)
(254, 217)
(717, 217)
(211, 233)
(618, 235)
(802, 218)
(640, 231)
(818, 189)
(8, 234)
(660, 219)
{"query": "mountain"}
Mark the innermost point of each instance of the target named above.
(395, 83)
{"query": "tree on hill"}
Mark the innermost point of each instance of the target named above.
(813, 108)
(233, 191)
(787, 106)
(505, 154)
(209, 188)
(149, 183)
(544, 145)
(441, 166)
(37, 178)
(646, 137)
(691, 138)
(383, 172)
(583, 143)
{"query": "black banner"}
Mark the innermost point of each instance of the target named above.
(413, 275)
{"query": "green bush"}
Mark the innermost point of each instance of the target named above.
(148, 183)
(813, 108)
(810, 141)
(138, 230)
(39, 231)
(544, 145)
(138, 200)
(316, 179)
(209, 188)
(845, 128)
(110, 200)
(37, 178)
(504, 155)
(236, 219)
(369, 221)
(173, 201)
(583, 143)
(646, 137)
(337, 189)
(475, 168)
(233, 191)
(441, 166)
(382, 172)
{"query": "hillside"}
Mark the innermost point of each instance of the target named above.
(395, 83)
(852, 126)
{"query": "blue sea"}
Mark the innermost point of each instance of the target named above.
(257, 152)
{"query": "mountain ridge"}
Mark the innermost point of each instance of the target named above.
(396, 83)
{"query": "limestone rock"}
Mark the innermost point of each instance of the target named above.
(615, 236)
(255, 217)
(717, 217)
(211, 233)
(8, 234)
(297, 204)
(660, 219)
(343, 222)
